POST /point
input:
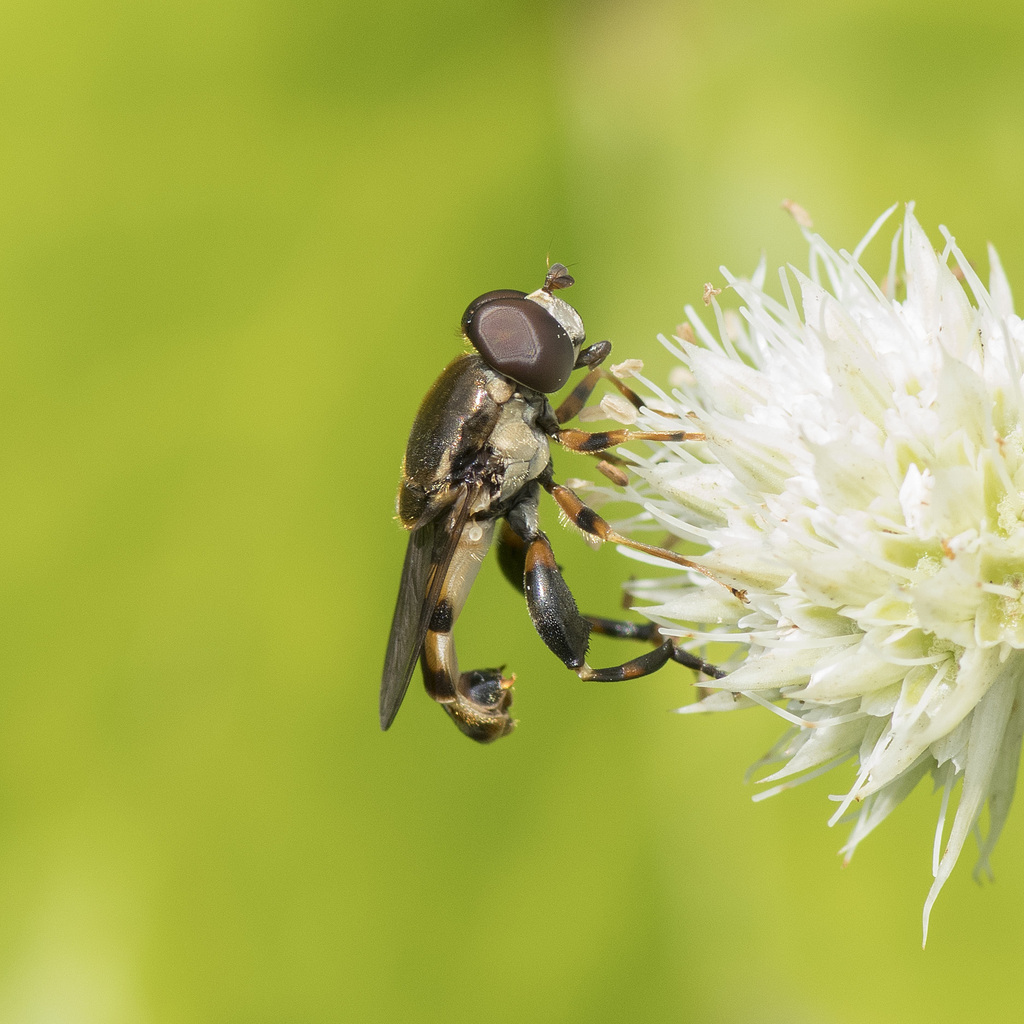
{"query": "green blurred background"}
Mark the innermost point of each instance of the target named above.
(235, 242)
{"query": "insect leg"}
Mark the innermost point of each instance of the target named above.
(611, 467)
(622, 630)
(593, 356)
(647, 663)
(591, 523)
(589, 442)
(577, 398)
(477, 701)
(512, 555)
(511, 552)
(586, 519)
(552, 606)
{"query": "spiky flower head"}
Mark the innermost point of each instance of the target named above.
(862, 485)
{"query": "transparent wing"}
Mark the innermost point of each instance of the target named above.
(427, 558)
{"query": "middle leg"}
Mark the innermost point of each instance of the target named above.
(586, 519)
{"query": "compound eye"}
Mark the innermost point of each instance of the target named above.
(521, 339)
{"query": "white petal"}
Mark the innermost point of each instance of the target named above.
(862, 486)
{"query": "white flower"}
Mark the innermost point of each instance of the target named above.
(862, 483)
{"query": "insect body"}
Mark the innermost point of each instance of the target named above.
(478, 454)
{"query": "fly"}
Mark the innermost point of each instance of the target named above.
(478, 456)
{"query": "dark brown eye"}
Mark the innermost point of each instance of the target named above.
(521, 339)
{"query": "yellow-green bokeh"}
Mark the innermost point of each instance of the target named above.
(235, 241)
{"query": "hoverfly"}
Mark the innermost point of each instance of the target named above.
(479, 453)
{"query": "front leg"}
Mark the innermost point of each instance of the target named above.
(592, 357)
(593, 442)
(611, 466)
(598, 442)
